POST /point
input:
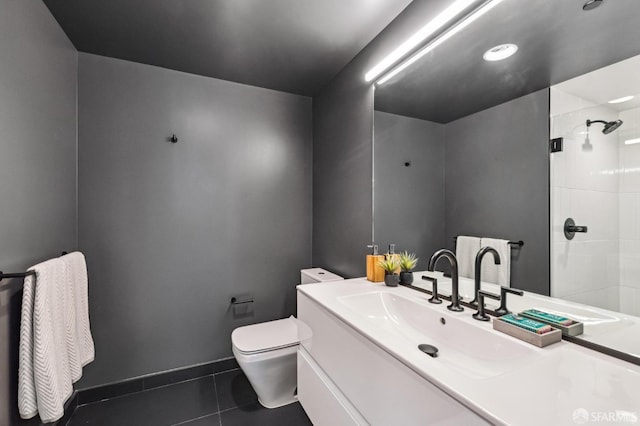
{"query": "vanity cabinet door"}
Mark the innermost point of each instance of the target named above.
(381, 388)
(321, 399)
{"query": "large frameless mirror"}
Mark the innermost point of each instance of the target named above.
(462, 147)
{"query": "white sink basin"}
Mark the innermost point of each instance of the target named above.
(474, 351)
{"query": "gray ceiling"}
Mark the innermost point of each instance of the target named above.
(295, 46)
(557, 41)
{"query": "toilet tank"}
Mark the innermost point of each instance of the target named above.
(317, 275)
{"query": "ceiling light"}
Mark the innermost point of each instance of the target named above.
(456, 28)
(500, 52)
(412, 42)
(591, 4)
(621, 100)
(632, 141)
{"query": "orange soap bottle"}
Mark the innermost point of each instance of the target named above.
(374, 272)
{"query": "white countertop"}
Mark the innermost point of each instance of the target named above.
(548, 389)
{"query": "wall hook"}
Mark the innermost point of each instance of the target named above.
(173, 139)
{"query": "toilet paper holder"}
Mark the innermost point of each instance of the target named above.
(235, 301)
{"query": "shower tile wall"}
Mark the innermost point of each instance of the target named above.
(596, 181)
(629, 178)
(584, 186)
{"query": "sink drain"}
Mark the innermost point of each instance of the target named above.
(430, 350)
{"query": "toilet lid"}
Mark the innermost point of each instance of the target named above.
(266, 336)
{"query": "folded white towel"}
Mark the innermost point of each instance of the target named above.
(77, 274)
(44, 376)
(497, 274)
(466, 250)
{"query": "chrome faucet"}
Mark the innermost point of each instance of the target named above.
(479, 256)
(451, 257)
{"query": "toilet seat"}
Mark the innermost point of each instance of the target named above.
(266, 336)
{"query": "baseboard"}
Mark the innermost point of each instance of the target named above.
(69, 408)
(142, 383)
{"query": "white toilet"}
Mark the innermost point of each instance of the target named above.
(266, 352)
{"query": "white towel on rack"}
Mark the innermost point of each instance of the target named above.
(27, 404)
(466, 250)
(84, 350)
(44, 376)
(497, 274)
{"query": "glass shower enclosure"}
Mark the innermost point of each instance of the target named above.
(595, 188)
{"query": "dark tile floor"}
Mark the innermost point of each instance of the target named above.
(222, 399)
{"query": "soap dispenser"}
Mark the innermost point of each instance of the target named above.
(374, 272)
(391, 254)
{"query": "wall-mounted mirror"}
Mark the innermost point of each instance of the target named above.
(461, 146)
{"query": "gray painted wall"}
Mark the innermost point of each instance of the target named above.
(342, 150)
(173, 231)
(37, 163)
(497, 182)
(409, 201)
(342, 170)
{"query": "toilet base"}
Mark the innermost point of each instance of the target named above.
(273, 375)
(294, 399)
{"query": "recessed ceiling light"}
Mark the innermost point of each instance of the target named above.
(500, 52)
(591, 4)
(632, 141)
(621, 100)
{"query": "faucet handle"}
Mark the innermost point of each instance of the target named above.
(489, 295)
(481, 315)
(502, 310)
(434, 293)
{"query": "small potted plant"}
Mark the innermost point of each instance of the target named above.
(390, 267)
(408, 261)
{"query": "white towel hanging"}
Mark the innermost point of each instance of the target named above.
(497, 274)
(78, 279)
(466, 250)
(44, 375)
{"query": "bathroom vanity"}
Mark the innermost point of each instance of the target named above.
(362, 365)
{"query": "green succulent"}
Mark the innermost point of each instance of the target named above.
(408, 261)
(389, 265)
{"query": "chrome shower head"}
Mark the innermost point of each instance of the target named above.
(609, 126)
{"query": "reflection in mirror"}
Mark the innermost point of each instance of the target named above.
(595, 180)
(479, 165)
(461, 147)
(409, 183)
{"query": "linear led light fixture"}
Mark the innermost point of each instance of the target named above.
(456, 28)
(412, 42)
(632, 141)
(621, 100)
